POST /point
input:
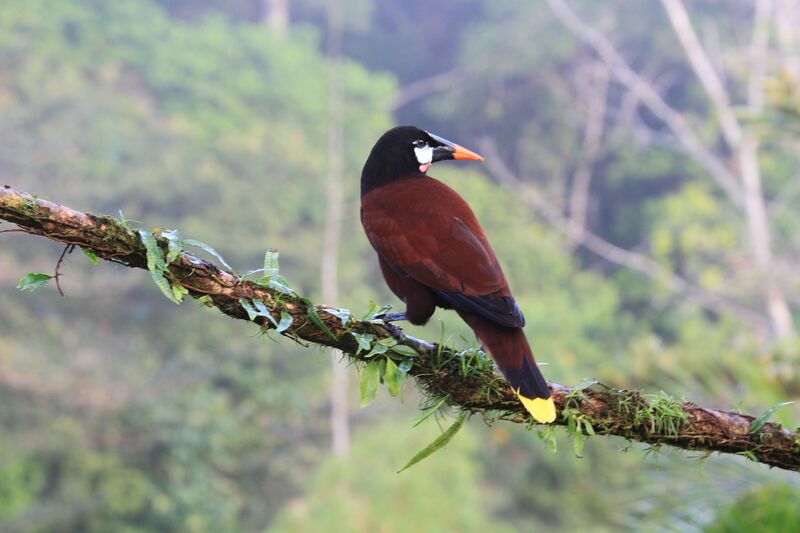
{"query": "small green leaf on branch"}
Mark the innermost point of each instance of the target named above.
(286, 321)
(759, 422)
(368, 383)
(33, 281)
(440, 442)
(179, 291)
(174, 245)
(156, 264)
(207, 248)
(340, 313)
(364, 341)
(91, 255)
(393, 377)
(406, 351)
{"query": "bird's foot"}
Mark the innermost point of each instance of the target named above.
(393, 317)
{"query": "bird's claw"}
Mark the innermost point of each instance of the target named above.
(392, 317)
(388, 318)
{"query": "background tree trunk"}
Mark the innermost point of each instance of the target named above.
(275, 15)
(340, 427)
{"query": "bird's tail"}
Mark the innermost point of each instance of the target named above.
(511, 352)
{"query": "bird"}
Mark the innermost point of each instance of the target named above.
(433, 253)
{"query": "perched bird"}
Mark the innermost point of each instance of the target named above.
(433, 253)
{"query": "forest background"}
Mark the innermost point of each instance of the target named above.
(641, 188)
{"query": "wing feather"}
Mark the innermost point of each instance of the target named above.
(426, 231)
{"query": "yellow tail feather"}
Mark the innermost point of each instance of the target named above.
(542, 410)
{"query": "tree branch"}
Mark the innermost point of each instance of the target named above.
(439, 371)
(743, 144)
(748, 194)
(611, 252)
(594, 90)
(704, 70)
(650, 97)
(427, 86)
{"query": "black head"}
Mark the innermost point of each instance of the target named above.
(407, 151)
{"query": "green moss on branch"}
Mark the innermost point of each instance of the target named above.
(465, 379)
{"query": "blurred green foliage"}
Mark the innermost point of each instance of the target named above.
(770, 508)
(364, 493)
(119, 412)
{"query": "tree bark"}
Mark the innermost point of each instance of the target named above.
(439, 371)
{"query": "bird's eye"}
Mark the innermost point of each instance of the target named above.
(419, 143)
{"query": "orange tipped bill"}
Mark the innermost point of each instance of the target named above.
(458, 151)
(463, 153)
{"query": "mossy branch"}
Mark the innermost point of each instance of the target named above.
(465, 379)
